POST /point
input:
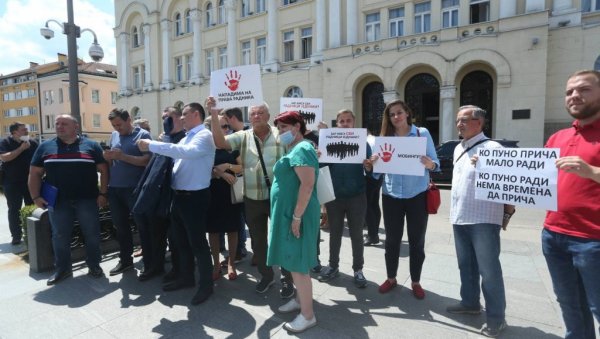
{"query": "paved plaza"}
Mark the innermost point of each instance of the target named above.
(122, 307)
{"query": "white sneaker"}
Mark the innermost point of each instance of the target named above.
(300, 324)
(290, 306)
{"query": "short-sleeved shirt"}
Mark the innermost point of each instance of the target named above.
(578, 211)
(16, 170)
(70, 168)
(464, 208)
(255, 187)
(123, 174)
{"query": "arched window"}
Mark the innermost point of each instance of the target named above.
(188, 22)
(422, 95)
(209, 17)
(294, 92)
(222, 12)
(477, 88)
(135, 39)
(597, 64)
(372, 107)
(178, 30)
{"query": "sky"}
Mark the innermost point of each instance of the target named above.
(21, 41)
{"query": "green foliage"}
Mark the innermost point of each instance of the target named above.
(25, 213)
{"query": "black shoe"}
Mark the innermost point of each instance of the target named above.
(178, 285)
(121, 267)
(287, 289)
(370, 242)
(243, 252)
(95, 272)
(149, 274)
(16, 241)
(58, 277)
(317, 269)
(263, 285)
(170, 277)
(202, 295)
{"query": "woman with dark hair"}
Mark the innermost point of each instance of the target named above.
(405, 196)
(295, 211)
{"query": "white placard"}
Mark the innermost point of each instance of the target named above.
(343, 145)
(518, 176)
(311, 109)
(400, 155)
(239, 86)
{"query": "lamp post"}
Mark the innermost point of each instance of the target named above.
(73, 32)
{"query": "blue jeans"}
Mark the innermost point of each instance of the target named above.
(478, 254)
(62, 217)
(121, 200)
(574, 266)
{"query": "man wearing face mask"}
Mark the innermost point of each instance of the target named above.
(260, 148)
(16, 151)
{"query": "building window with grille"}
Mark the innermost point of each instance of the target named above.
(178, 69)
(136, 78)
(135, 37)
(479, 11)
(177, 20)
(95, 96)
(261, 51)
(294, 92)
(372, 27)
(306, 40)
(96, 120)
(260, 6)
(423, 17)
(396, 22)
(209, 16)
(222, 57)
(31, 92)
(450, 13)
(245, 8)
(210, 61)
(188, 21)
(19, 95)
(590, 5)
(288, 46)
(246, 53)
(222, 13)
(32, 127)
(19, 112)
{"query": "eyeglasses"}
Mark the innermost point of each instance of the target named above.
(465, 120)
(225, 126)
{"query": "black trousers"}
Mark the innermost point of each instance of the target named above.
(394, 212)
(153, 238)
(16, 193)
(188, 224)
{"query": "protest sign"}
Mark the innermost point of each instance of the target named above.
(238, 86)
(523, 176)
(343, 145)
(400, 155)
(310, 109)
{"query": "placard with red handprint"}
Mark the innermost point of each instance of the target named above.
(239, 86)
(400, 155)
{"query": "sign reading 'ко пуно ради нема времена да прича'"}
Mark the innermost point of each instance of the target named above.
(524, 176)
(343, 145)
(238, 86)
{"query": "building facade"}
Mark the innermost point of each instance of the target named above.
(512, 57)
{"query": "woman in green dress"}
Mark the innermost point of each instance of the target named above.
(295, 212)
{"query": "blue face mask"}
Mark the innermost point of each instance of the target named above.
(286, 138)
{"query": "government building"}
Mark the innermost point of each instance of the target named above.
(511, 57)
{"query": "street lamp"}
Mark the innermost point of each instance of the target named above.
(73, 32)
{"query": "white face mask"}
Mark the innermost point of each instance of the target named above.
(24, 138)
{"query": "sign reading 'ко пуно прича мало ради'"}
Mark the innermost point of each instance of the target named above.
(524, 176)
(239, 86)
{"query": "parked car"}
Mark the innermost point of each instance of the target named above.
(445, 153)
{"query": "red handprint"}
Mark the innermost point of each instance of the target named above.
(386, 152)
(233, 80)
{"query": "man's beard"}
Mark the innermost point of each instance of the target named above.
(588, 111)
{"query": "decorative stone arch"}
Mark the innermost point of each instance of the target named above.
(357, 75)
(355, 85)
(130, 13)
(419, 62)
(493, 59)
(167, 7)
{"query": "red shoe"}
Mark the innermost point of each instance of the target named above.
(232, 276)
(418, 291)
(387, 286)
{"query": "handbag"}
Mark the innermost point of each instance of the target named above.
(434, 199)
(237, 190)
(325, 191)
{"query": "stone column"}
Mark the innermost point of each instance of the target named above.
(508, 8)
(272, 63)
(447, 94)
(197, 47)
(320, 33)
(232, 44)
(124, 86)
(167, 82)
(352, 22)
(334, 24)
(147, 58)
